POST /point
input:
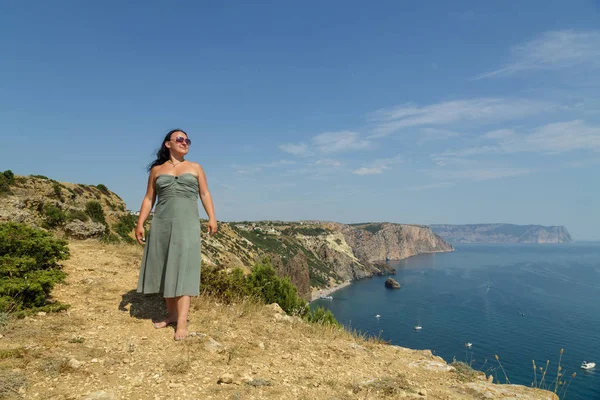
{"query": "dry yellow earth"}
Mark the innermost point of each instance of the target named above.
(105, 347)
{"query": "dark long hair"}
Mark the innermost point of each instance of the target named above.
(162, 155)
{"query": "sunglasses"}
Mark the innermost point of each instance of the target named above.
(181, 139)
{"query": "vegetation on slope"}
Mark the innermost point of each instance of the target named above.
(29, 268)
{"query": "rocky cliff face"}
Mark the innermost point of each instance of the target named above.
(387, 241)
(502, 233)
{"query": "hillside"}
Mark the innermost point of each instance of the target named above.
(313, 254)
(502, 233)
(104, 347)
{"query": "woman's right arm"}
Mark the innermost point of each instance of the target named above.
(146, 207)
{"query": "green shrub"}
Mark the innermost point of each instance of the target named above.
(39, 176)
(320, 315)
(74, 214)
(263, 283)
(53, 216)
(95, 211)
(124, 226)
(229, 286)
(4, 185)
(10, 177)
(29, 268)
(56, 187)
(103, 189)
(110, 238)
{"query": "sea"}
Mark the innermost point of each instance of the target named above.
(520, 302)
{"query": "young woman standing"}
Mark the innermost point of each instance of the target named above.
(171, 260)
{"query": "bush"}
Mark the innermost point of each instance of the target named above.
(95, 211)
(29, 268)
(124, 226)
(53, 216)
(58, 191)
(263, 283)
(10, 177)
(39, 176)
(110, 238)
(320, 315)
(103, 189)
(4, 185)
(229, 287)
(74, 214)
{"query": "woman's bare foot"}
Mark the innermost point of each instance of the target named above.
(165, 323)
(181, 332)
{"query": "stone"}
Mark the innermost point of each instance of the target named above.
(100, 395)
(41, 314)
(213, 346)
(84, 230)
(274, 307)
(391, 283)
(225, 378)
(73, 363)
(423, 392)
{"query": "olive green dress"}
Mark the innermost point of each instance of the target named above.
(171, 261)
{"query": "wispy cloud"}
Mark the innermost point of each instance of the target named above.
(341, 141)
(378, 166)
(328, 143)
(560, 137)
(328, 162)
(480, 110)
(481, 173)
(256, 168)
(552, 50)
(297, 149)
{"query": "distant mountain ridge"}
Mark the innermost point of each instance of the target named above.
(502, 233)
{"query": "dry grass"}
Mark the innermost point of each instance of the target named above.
(108, 331)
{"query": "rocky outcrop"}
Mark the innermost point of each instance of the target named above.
(84, 230)
(387, 241)
(391, 283)
(297, 270)
(502, 233)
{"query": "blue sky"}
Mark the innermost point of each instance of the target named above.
(411, 112)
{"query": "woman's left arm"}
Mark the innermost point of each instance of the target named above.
(207, 202)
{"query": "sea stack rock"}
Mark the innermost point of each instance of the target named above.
(392, 284)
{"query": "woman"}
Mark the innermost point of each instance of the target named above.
(171, 261)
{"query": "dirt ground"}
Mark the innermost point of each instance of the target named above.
(104, 347)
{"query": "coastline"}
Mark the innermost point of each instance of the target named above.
(316, 293)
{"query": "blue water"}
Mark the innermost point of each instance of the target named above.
(520, 302)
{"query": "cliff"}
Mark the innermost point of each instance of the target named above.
(502, 233)
(105, 347)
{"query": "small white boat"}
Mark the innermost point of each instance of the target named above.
(418, 327)
(378, 316)
(323, 297)
(588, 365)
(468, 345)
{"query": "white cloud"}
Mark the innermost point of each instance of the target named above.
(560, 137)
(486, 110)
(378, 166)
(256, 168)
(297, 149)
(369, 170)
(328, 162)
(552, 50)
(341, 141)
